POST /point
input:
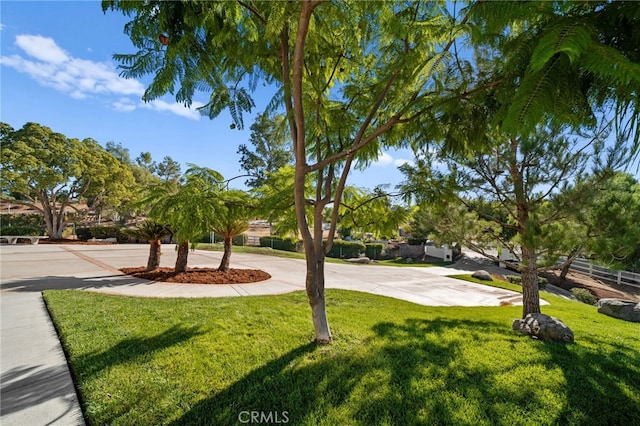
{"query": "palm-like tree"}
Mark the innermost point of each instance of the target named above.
(231, 220)
(189, 209)
(153, 232)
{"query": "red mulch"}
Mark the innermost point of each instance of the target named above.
(199, 275)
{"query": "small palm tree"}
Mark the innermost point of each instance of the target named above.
(153, 232)
(231, 220)
(189, 208)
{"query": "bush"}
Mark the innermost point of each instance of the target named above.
(584, 295)
(83, 234)
(516, 279)
(102, 232)
(21, 230)
(374, 250)
(278, 243)
(416, 241)
(346, 249)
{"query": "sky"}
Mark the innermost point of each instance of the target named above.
(57, 70)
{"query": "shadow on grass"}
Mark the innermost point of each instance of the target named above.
(132, 349)
(419, 372)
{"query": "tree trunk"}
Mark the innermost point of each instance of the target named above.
(183, 255)
(530, 295)
(224, 263)
(154, 255)
(315, 293)
(565, 270)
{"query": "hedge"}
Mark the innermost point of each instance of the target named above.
(346, 249)
(374, 250)
(101, 233)
(278, 243)
(22, 230)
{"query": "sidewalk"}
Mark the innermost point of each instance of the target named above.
(36, 386)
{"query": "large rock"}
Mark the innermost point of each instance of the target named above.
(482, 275)
(623, 309)
(544, 327)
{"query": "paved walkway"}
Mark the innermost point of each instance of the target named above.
(36, 387)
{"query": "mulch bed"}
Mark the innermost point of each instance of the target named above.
(199, 275)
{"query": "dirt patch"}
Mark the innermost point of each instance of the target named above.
(595, 286)
(200, 275)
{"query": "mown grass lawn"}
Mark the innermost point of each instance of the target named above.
(209, 361)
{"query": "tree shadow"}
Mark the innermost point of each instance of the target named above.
(40, 284)
(131, 349)
(418, 372)
(29, 386)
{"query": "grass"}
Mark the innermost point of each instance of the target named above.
(294, 255)
(207, 361)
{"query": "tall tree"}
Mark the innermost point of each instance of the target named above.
(168, 170)
(353, 77)
(272, 149)
(49, 171)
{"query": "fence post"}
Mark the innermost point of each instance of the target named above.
(619, 277)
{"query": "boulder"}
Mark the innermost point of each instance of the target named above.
(482, 275)
(544, 327)
(623, 309)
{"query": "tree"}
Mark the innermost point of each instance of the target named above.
(370, 211)
(49, 172)
(168, 170)
(189, 208)
(512, 197)
(272, 149)
(612, 220)
(230, 220)
(354, 77)
(562, 61)
(153, 232)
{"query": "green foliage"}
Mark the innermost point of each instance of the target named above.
(584, 295)
(517, 279)
(148, 230)
(48, 170)
(83, 234)
(22, 224)
(374, 250)
(272, 145)
(102, 232)
(346, 249)
(279, 243)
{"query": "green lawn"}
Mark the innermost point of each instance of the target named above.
(207, 361)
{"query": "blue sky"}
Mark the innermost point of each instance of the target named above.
(57, 70)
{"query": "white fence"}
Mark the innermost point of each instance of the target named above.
(605, 274)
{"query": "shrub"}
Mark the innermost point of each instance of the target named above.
(102, 232)
(346, 249)
(516, 279)
(416, 241)
(584, 295)
(374, 250)
(21, 230)
(279, 243)
(83, 234)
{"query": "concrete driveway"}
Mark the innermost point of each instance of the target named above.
(36, 387)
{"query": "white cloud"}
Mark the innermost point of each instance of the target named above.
(383, 160)
(178, 109)
(52, 66)
(42, 48)
(123, 104)
(402, 161)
